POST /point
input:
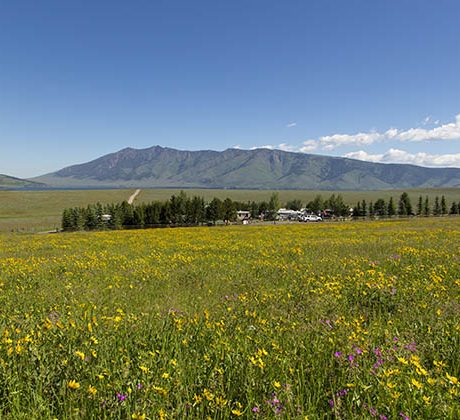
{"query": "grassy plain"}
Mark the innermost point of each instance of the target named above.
(42, 210)
(351, 320)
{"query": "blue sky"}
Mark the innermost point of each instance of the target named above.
(375, 80)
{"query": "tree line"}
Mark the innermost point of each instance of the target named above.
(404, 207)
(182, 210)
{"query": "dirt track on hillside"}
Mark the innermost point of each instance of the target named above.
(133, 196)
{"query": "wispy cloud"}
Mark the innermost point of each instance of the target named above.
(308, 146)
(444, 132)
(429, 120)
(402, 156)
(291, 124)
(266, 146)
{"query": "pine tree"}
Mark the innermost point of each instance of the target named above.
(357, 210)
(454, 208)
(273, 205)
(364, 208)
(228, 210)
(426, 207)
(404, 205)
(380, 208)
(67, 220)
(214, 210)
(420, 206)
(443, 205)
(437, 207)
(391, 208)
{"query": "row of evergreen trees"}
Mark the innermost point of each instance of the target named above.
(182, 210)
(404, 207)
(179, 210)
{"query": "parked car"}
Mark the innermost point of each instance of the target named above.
(311, 218)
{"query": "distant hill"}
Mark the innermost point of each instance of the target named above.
(7, 182)
(253, 169)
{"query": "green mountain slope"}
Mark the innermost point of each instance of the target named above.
(7, 182)
(234, 168)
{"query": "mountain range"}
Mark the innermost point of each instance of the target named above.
(246, 169)
(8, 182)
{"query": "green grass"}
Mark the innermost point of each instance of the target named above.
(334, 321)
(41, 210)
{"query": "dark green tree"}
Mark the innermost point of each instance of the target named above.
(294, 205)
(214, 210)
(364, 208)
(273, 206)
(67, 220)
(391, 208)
(357, 210)
(255, 210)
(316, 205)
(404, 205)
(426, 207)
(443, 205)
(380, 208)
(228, 211)
(420, 206)
(437, 207)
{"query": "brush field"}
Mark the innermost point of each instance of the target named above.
(340, 321)
(34, 211)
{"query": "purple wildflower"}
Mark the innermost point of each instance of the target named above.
(255, 410)
(338, 354)
(377, 352)
(404, 416)
(411, 347)
(342, 392)
(121, 397)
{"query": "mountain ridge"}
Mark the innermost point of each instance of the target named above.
(165, 167)
(8, 182)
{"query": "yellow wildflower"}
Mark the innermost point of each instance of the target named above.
(452, 379)
(416, 383)
(73, 384)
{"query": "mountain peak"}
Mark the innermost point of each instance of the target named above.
(261, 168)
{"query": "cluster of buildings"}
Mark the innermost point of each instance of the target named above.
(302, 215)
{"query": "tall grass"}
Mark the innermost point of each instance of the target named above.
(343, 321)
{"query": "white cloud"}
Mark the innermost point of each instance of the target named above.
(401, 156)
(359, 139)
(283, 146)
(267, 146)
(444, 132)
(429, 120)
(308, 146)
(286, 147)
(291, 124)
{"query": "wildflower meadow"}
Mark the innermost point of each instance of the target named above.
(335, 320)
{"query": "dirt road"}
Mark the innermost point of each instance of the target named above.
(133, 196)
